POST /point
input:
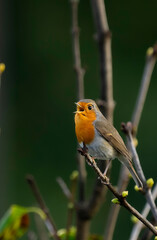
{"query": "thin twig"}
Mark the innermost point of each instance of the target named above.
(82, 227)
(147, 235)
(122, 200)
(80, 87)
(71, 206)
(149, 66)
(115, 208)
(76, 50)
(127, 128)
(103, 37)
(65, 189)
(42, 231)
(138, 226)
(49, 222)
(106, 102)
(82, 177)
(70, 197)
(136, 116)
(31, 236)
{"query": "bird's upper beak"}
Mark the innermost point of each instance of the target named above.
(78, 105)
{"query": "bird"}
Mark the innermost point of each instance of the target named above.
(95, 133)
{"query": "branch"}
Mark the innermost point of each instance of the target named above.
(41, 230)
(149, 66)
(70, 195)
(80, 87)
(138, 226)
(122, 200)
(136, 116)
(65, 190)
(106, 102)
(114, 210)
(76, 50)
(49, 221)
(82, 228)
(127, 128)
(104, 44)
(71, 205)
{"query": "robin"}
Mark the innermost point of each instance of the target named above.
(95, 133)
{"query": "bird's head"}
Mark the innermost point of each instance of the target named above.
(87, 109)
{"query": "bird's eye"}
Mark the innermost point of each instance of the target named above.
(90, 107)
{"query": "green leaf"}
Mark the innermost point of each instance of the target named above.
(15, 222)
(62, 233)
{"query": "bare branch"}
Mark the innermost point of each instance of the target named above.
(83, 229)
(138, 226)
(76, 50)
(80, 87)
(127, 128)
(150, 62)
(71, 205)
(40, 226)
(49, 221)
(65, 189)
(122, 200)
(82, 177)
(106, 102)
(104, 44)
(149, 66)
(114, 210)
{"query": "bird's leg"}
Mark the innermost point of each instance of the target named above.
(83, 150)
(107, 167)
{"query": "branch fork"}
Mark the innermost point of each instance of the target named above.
(123, 202)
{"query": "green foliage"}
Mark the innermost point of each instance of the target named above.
(150, 182)
(15, 222)
(72, 234)
(115, 201)
(125, 193)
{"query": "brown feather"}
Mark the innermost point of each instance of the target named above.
(110, 134)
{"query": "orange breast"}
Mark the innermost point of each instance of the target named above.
(84, 129)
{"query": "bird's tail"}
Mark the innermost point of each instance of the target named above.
(131, 169)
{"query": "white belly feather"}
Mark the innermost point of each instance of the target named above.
(100, 148)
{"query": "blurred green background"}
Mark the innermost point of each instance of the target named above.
(39, 90)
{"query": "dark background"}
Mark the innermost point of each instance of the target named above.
(39, 90)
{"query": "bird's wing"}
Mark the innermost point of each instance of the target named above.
(110, 134)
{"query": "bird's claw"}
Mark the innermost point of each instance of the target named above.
(105, 180)
(83, 151)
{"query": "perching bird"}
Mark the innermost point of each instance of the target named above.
(103, 141)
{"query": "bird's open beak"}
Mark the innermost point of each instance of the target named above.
(78, 104)
(80, 108)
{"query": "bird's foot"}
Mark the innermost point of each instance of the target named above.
(91, 164)
(107, 167)
(83, 151)
(104, 180)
